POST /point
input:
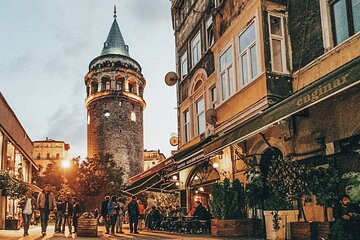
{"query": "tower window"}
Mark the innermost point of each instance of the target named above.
(133, 116)
(107, 86)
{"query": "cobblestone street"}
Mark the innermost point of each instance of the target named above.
(34, 232)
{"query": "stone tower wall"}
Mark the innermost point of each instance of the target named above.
(117, 134)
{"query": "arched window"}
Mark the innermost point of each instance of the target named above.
(107, 86)
(141, 91)
(198, 85)
(94, 87)
(131, 88)
(119, 85)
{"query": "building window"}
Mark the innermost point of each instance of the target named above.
(247, 58)
(48, 155)
(184, 65)
(39, 156)
(345, 19)
(186, 116)
(209, 32)
(226, 74)
(133, 116)
(196, 49)
(200, 116)
(107, 85)
(277, 44)
(57, 155)
(213, 97)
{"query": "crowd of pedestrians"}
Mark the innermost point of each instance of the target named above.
(66, 210)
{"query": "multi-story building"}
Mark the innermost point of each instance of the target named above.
(16, 150)
(49, 151)
(263, 79)
(152, 158)
(115, 104)
(258, 80)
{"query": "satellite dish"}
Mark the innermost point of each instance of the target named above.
(171, 78)
(174, 141)
(211, 116)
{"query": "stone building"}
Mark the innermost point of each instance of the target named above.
(260, 79)
(49, 151)
(16, 149)
(152, 158)
(115, 104)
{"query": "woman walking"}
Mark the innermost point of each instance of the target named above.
(113, 211)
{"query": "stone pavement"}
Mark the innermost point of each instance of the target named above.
(34, 234)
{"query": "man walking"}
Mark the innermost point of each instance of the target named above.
(76, 213)
(28, 205)
(133, 210)
(67, 214)
(45, 203)
(105, 214)
(59, 214)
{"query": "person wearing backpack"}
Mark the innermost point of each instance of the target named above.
(133, 210)
(113, 211)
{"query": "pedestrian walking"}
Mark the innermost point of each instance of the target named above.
(45, 203)
(133, 211)
(28, 206)
(120, 217)
(76, 213)
(113, 210)
(67, 214)
(105, 214)
(141, 214)
(59, 213)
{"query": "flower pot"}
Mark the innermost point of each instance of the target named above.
(12, 224)
(285, 217)
(310, 230)
(235, 228)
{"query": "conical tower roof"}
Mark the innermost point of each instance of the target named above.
(115, 43)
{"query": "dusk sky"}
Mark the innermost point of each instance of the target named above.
(47, 45)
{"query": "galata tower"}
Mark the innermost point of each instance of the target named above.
(115, 104)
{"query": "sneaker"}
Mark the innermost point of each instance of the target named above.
(136, 232)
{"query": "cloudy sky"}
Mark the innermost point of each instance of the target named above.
(47, 45)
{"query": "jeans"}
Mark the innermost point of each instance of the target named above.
(58, 222)
(44, 218)
(75, 223)
(113, 219)
(133, 221)
(66, 218)
(119, 223)
(27, 220)
(107, 223)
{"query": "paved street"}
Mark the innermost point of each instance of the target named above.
(34, 232)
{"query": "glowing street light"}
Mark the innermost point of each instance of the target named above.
(65, 164)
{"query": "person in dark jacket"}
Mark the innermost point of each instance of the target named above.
(76, 213)
(201, 212)
(67, 214)
(113, 211)
(59, 213)
(133, 211)
(105, 214)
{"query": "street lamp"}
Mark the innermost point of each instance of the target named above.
(65, 165)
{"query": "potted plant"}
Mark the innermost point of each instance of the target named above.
(15, 189)
(288, 183)
(229, 212)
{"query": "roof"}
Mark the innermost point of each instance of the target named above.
(115, 43)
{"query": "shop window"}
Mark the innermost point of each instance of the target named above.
(227, 74)
(195, 49)
(200, 116)
(186, 130)
(209, 32)
(345, 16)
(184, 65)
(248, 55)
(277, 43)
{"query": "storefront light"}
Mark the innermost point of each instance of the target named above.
(215, 165)
(177, 184)
(174, 177)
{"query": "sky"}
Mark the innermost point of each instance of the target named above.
(45, 50)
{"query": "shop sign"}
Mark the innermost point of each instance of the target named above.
(190, 161)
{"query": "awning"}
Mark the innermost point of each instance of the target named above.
(33, 187)
(337, 81)
(155, 179)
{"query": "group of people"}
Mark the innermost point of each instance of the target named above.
(66, 210)
(113, 212)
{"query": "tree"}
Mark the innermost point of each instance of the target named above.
(98, 176)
